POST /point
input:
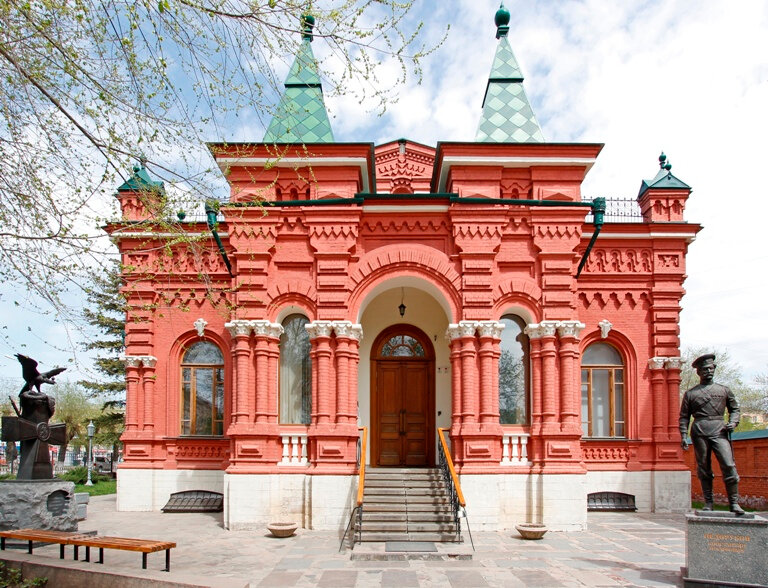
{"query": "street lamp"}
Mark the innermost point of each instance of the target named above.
(91, 431)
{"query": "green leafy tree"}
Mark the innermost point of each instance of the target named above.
(89, 88)
(75, 409)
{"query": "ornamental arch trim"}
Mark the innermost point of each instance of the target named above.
(518, 296)
(298, 293)
(417, 262)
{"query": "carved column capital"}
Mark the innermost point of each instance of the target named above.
(319, 329)
(238, 328)
(348, 330)
(263, 328)
(674, 363)
(549, 328)
(132, 361)
(657, 363)
(148, 361)
(490, 329)
(468, 328)
(542, 329)
(452, 332)
(570, 329)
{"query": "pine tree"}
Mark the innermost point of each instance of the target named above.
(106, 313)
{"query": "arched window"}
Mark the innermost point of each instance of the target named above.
(295, 372)
(603, 393)
(202, 390)
(513, 372)
(402, 346)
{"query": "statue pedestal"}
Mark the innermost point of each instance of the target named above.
(38, 504)
(725, 550)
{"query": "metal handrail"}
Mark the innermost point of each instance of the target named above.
(454, 487)
(357, 511)
(361, 466)
(451, 469)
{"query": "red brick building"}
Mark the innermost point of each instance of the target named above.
(403, 287)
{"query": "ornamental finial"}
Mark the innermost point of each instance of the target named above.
(307, 24)
(502, 21)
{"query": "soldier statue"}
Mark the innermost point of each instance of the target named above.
(710, 433)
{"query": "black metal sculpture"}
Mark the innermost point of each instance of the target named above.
(707, 404)
(30, 425)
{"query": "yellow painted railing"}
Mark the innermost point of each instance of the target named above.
(449, 461)
(361, 480)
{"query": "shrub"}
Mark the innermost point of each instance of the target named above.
(79, 475)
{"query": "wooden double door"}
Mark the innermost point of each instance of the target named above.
(402, 398)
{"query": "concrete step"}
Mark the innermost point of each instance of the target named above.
(410, 507)
(415, 492)
(388, 526)
(390, 483)
(415, 536)
(426, 527)
(402, 471)
(411, 517)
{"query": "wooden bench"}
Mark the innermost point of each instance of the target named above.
(102, 542)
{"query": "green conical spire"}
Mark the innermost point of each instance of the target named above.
(507, 114)
(301, 116)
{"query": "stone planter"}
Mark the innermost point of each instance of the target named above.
(282, 529)
(531, 530)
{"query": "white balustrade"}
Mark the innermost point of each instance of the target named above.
(294, 450)
(514, 450)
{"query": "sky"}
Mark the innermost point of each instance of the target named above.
(689, 79)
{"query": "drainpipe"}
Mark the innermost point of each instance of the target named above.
(211, 213)
(598, 213)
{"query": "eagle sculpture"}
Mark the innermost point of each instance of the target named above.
(32, 377)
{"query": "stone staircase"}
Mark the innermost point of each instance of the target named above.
(407, 504)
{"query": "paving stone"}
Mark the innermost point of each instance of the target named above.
(280, 579)
(465, 579)
(338, 579)
(395, 578)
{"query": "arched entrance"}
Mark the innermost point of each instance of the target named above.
(402, 398)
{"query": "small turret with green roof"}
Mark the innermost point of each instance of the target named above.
(664, 179)
(141, 182)
(507, 115)
(301, 116)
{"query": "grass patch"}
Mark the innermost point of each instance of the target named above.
(99, 488)
(699, 505)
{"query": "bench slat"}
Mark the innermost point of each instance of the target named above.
(101, 542)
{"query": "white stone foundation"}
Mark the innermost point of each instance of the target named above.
(499, 502)
(145, 490)
(494, 502)
(659, 491)
(251, 501)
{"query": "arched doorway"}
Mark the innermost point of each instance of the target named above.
(402, 398)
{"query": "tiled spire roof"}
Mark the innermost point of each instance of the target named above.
(507, 114)
(301, 116)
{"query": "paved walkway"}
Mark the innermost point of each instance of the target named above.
(619, 549)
